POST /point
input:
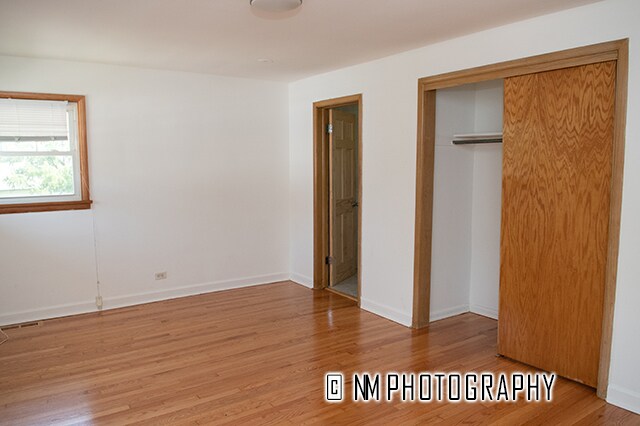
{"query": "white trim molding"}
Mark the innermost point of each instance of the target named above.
(138, 299)
(624, 398)
(192, 290)
(386, 312)
(47, 313)
(301, 279)
(448, 312)
(484, 311)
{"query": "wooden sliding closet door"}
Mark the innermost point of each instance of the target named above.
(558, 136)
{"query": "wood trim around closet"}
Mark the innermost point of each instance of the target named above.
(427, 86)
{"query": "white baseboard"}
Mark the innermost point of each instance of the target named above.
(192, 290)
(301, 279)
(137, 299)
(484, 311)
(448, 312)
(385, 311)
(405, 319)
(46, 313)
(624, 398)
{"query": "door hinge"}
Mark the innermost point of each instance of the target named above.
(328, 260)
(329, 128)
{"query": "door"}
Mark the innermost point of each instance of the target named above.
(558, 138)
(343, 194)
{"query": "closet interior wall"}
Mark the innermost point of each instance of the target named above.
(467, 203)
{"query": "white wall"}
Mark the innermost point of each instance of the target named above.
(487, 202)
(189, 175)
(485, 240)
(389, 145)
(452, 204)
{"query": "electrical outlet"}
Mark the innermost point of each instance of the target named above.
(161, 276)
(99, 302)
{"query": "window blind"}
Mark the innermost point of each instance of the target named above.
(23, 119)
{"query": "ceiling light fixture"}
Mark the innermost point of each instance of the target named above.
(275, 5)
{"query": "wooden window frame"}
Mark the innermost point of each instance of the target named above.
(617, 51)
(321, 219)
(85, 198)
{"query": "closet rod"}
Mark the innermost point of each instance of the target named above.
(476, 141)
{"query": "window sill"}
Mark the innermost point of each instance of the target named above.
(45, 207)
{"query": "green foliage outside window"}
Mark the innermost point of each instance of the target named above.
(38, 175)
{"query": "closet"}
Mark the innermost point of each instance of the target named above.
(466, 200)
(519, 186)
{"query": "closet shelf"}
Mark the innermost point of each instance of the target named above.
(477, 138)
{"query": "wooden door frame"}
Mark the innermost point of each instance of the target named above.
(610, 51)
(321, 217)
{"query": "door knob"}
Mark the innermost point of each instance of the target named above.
(355, 204)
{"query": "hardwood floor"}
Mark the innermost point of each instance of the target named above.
(253, 356)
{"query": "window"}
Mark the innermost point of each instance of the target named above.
(43, 153)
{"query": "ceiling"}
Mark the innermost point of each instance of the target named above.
(227, 37)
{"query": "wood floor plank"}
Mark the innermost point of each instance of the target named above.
(254, 356)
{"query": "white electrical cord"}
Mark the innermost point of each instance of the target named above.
(5, 338)
(95, 254)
